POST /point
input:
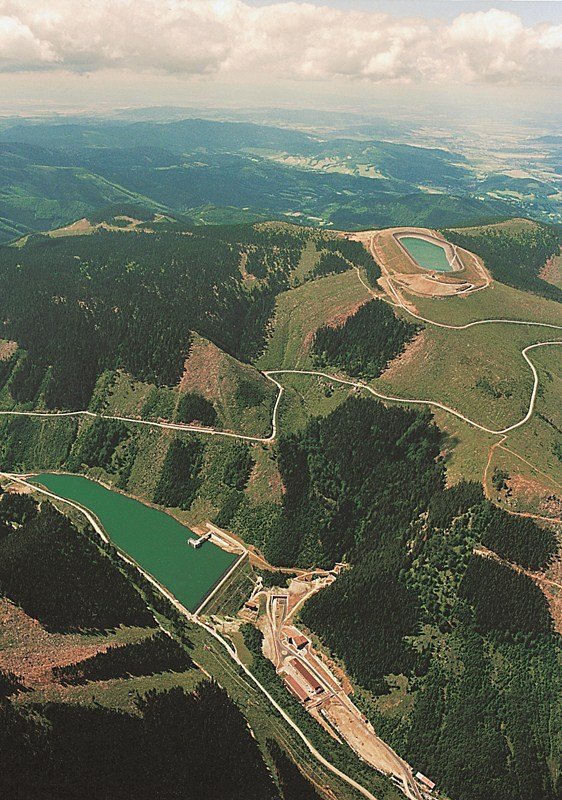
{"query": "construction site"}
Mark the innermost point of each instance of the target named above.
(318, 684)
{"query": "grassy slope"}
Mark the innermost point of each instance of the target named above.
(309, 258)
(497, 300)
(478, 372)
(24, 640)
(300, 312)
(218, 377)
(463, 369)
(554, 273)
(535, 440)
(512, 225)
(209, 371)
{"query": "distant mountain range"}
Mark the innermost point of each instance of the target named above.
(208, 171)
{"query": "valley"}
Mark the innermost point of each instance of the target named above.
(138, 437)
(280, 400)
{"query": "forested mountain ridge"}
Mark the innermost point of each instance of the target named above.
(54, 744)
(515, 254)
(52, 173)
(132, 299)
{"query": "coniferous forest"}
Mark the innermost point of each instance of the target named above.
(131, 300)
(365, 343)
(63, 751)
(169, 745)
(280, 501)
(471, 636)
(42, 558)
(514, 257)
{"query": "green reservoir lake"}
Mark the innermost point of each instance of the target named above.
(426, 254)
(154, 539)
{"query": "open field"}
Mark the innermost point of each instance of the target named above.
(118, 693)
(479, 372)
(496, 301)
(552, 271)
(465, 448)
(31, 652)
(532, 487)
(306, 396)
(300, 312)
(308, 260)
(242, 397)
(539, 443)
(28, 650)
(512, 225)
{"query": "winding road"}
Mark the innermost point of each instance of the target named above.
(397, 302)
(269, 374)
(177, 426)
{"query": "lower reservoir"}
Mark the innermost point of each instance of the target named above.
(152, 538)
(426, 253)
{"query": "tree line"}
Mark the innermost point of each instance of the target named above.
(365, 343)
(157, 653)
(128, 301)
(514, 257)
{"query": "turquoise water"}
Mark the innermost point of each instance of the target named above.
(155, 540)
(426, 254)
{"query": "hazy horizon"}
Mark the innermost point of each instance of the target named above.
(501, 60)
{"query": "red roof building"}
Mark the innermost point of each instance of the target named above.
(296, 688)
(425, 780)
(307, 675)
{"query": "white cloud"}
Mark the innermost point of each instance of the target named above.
(283, 40)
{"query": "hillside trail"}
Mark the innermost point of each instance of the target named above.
(177, 426)
(272, 438)
(484, 552)
(525, 514)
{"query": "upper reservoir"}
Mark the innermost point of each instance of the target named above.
(154, 539)
(426, 254)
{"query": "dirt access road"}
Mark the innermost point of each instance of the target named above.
(231, 651)
(298, 663)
